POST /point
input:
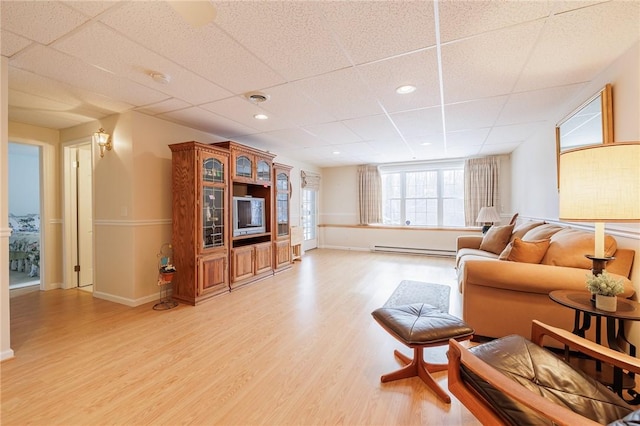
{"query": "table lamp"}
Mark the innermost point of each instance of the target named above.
(600, 184)
(487, 216)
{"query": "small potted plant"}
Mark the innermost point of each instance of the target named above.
(167, 271)
(606, 288)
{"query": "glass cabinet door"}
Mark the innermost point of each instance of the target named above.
(282, 200)
(264, 171)
(243, 166)
(282, 203)
(212, 217)
(212, 170)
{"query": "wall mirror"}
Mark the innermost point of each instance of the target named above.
(589, 124)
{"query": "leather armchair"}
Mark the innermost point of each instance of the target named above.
(512, 380)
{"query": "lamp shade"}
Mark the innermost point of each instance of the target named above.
(601, 183)
(488, 215)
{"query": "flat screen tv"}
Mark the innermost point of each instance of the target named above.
(248, 216)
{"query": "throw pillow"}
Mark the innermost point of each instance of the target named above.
(569, 246)
(520, 230)
(525, 251)
(496, 239)
(541, 232)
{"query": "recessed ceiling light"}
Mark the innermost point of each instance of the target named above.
(260, 116)
(425, 143)
(403, 90)
(336, 152)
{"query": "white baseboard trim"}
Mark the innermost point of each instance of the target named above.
(345, 248)
(124, 300)
(8, 354)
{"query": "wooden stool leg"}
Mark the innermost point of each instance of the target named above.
(418, 367)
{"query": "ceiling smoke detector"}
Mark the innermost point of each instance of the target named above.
(257, 97)
(160, 77)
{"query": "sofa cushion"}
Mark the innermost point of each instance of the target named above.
(541, 232)
(496, 239)
(525, 251)
(523, 228)
(569, 246)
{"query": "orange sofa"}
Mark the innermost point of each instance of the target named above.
(502, 293)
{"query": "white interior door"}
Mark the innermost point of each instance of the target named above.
(309, 217)
(78, 216)
(85, 216)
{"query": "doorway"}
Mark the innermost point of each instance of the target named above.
(309, 218)
(78, 196)
(25, 203)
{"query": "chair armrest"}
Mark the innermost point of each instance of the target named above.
(587, 347)
(459, 355)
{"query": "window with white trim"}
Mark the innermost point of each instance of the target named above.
(423, 194)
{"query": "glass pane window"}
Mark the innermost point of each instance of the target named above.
(430, 197)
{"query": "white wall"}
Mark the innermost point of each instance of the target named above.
(538, 198)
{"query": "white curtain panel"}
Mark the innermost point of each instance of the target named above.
(481, 177)
(369, 194)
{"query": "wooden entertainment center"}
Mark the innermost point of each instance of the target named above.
(210, 253)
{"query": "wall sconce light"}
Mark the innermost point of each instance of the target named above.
(102, 139)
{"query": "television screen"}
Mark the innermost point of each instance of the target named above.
(248, 216)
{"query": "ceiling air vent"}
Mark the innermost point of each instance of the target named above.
(257, 97)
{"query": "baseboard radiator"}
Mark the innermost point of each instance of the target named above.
(412, 250)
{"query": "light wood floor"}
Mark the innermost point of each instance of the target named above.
(300, 348)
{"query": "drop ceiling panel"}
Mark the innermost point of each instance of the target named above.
(206, 50)
(536, 105)
(418, 69)
(41, 21)
(331, 69)
(333, 133)
(460, 19)
(12, 43)
(207, 121)
(487, 65)
(288, 100)
(472, 114)
(34, 84)
(342, 92)
(373, 127)
(94, 44)
(297, 138)
(591, 39)
(466, 138)
(515, 133)
(419, 123)
(371, 30)
(242, 111)
(42, 118)
(295, 44)
(64, 68)
(91, 8)
(167, 105)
